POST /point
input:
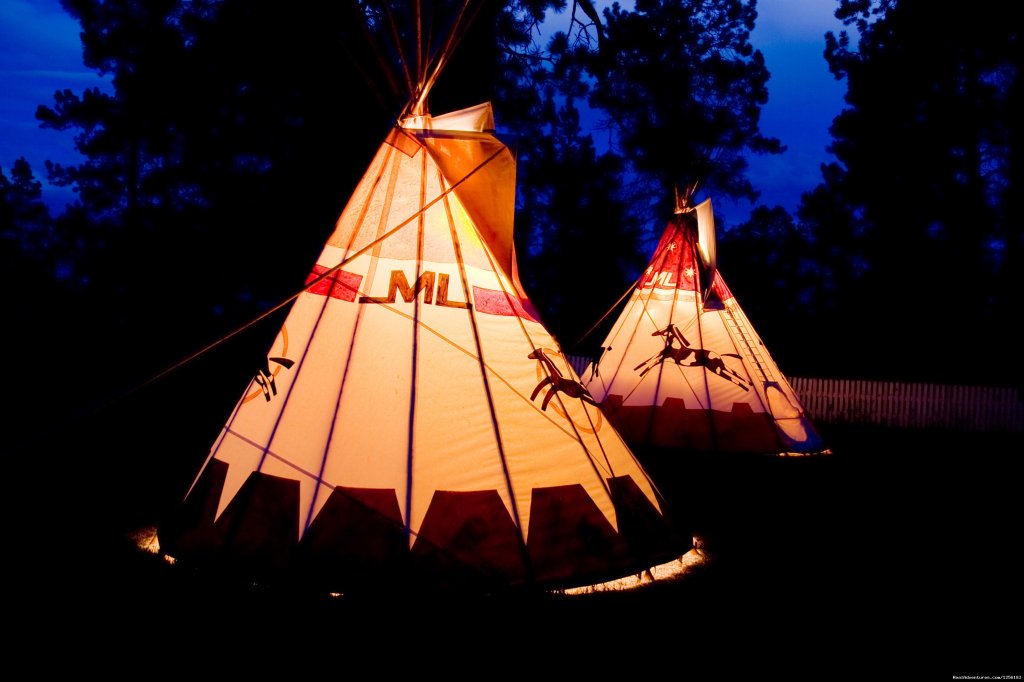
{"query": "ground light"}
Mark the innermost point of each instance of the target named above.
(146, 540)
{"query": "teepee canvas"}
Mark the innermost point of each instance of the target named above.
(682, 366)
(414, 420)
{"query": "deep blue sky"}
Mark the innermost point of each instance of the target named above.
(40, 53)
(803, 98)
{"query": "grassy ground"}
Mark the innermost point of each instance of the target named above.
(820, 568)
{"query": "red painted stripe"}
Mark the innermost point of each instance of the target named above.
(495, 302)
(339, 284)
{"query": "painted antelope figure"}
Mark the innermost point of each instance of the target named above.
(557, 382)
(701, 357)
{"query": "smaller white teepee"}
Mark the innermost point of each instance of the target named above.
(683, 367)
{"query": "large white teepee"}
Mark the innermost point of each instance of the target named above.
(683, 368)
(414, 419)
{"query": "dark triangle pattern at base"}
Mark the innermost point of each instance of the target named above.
(357, 539)
(255, 531)
(467, 542)
(469, 539)
(673, 425)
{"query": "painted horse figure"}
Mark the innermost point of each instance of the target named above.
(699, 357)
(557, 382)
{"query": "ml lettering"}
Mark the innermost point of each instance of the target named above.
(663, 279)
(398, 284)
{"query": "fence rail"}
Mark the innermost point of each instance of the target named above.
(907, 405)
(902, 405)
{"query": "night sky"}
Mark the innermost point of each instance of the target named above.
(40, 53)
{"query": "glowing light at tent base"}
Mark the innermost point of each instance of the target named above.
(819, 453)
(146, 540)
(695, 559)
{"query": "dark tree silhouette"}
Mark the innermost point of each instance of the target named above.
(39, 311)
(577, 235)
(680, 91)
(924, 202)
(222, 145)
(769, 263)
(577, 238)
(683, 89)
(26, 228)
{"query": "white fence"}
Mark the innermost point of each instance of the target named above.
(905, 405)
(902, 405)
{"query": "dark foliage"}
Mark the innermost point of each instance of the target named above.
(680, 89)
(919, 222)
(683, 89)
